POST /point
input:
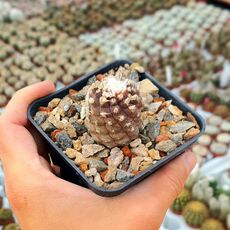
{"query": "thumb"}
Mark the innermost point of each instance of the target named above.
(161, 188)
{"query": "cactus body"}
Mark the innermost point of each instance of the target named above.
(194, 213)
(113, 111)
(180, 202)
(212, 224)
(196, 96)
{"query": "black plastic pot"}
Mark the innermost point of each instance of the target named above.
(69, 171)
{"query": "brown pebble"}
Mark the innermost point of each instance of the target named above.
(191, 133)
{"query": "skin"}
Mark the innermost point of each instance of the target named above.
(41, 200)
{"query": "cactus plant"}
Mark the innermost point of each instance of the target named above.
(224, 206)
(195, 212)
(180, 202)
(193, 177)
(16, 15)
(225, 100)
(6, 216)
(202, 191)
(221, 110)
(113, 111)
(12, 226)
(185, 92)
(212, 224)
(196, 96)
(213, 96)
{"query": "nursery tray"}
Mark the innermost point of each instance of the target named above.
(69, 171)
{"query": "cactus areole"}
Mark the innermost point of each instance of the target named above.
(113, 111)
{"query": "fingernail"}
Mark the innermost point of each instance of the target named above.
(189, 160)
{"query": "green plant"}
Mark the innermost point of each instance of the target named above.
(194, 213)
(212, 224)
(180, 202)
(196, 96)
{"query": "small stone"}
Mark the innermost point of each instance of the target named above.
(153, 107)
(166, 146)
(134, 76)
(91, 149)
(153, 130)
(144, 165)
(54, 103)
(80, 129)
(123, 176)
(168, 116)
(162, 137)
(91, 80)
(83, 112)
(98, 181)
(47, 127)
(135, 163)
(70, 130)
(146, 100)
(55, 120)
(191, 133)
(147, 87)
(83, 167)
(72, 111)
(114, 185)
(111, 174)
(63, 140)
(77, 145)
(177, 138)
(86, 139)
(149, 144)
(135, 143)
(65, 104)
(91, 172)
(79, 159)
(98, 164)
(116, 157)
(79, 96)
(102, 154)
(147, 117)
(175, 110)
(137, 67)
(161, 114)
(154, 154)
(193, 120)
(144, 139)
(141, 150)
(148, 159)
(40, 117)
(125, 163)
(181, 127)
(71, 153)
(91, 179)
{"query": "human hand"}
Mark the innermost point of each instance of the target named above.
(41, 200)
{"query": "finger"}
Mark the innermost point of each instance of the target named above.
(163, 186)
(16, 110)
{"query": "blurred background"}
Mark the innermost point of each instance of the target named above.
(184, 44)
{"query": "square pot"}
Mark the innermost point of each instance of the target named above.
(69, 171)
